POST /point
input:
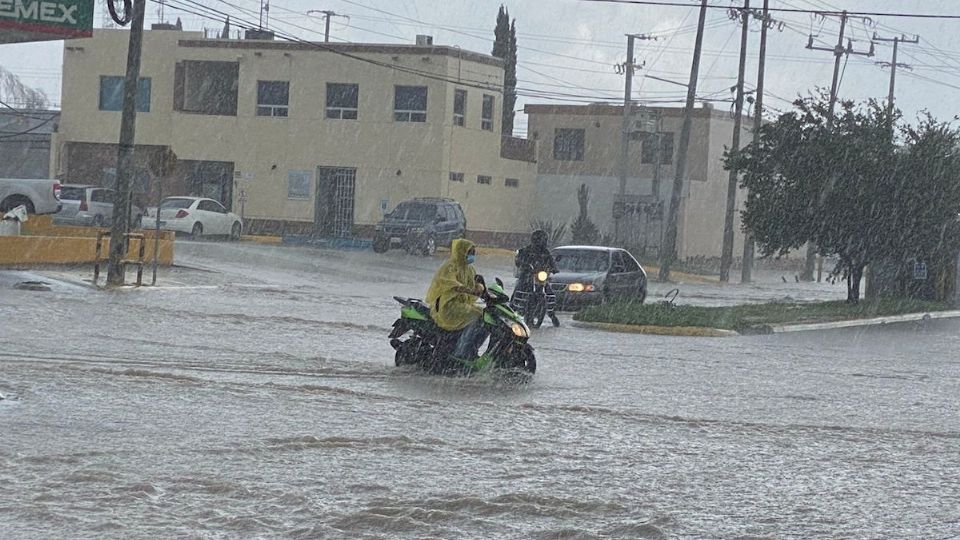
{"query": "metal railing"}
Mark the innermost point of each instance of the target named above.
(100, 259)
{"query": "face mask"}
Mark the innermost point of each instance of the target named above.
(471, 259)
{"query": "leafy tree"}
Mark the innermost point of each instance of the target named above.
(505, 47)
(810, 181)
(848, 188)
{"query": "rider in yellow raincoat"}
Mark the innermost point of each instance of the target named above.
(452, 298)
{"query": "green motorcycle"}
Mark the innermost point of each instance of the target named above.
(419, 341)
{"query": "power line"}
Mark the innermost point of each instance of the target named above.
(782, 10)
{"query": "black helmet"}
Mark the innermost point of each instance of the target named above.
(539, 238)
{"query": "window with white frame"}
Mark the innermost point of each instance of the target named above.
(410, 103)
(342, 100)
(486, 119)
(273, 98)
(459, 107)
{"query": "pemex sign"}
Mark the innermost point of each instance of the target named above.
(44, 20)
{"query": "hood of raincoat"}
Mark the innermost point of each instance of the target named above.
(453, 310)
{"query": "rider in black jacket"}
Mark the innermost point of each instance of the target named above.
(534, 258)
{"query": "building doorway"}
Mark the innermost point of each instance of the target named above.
(336, 189)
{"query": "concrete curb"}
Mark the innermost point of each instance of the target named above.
(853, 323)
(687, 331)
(274, 240)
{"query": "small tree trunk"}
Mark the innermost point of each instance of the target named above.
(853, 284)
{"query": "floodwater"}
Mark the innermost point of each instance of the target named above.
(255, 396)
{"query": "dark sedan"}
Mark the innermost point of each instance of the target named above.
(590, 275)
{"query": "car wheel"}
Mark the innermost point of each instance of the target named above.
(642, 294)
(138, 222)
(430, 246)
(12, 202)
(380, 245)
(197, 230)
(235, 231)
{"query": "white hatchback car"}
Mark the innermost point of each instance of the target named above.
(196, 216)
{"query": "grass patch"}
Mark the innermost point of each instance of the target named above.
(752, 316)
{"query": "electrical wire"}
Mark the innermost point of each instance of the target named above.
(783, 10)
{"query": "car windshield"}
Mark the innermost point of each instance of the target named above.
(73, 194)
(174, 204)
(414, 212)
(582, 260)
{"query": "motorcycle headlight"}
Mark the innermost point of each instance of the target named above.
(519, 330)
(542, 276)
(580, 287)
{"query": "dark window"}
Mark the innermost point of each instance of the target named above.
(342, 100)
(448, 214)
(111, 94)
(73, 194)
(512, 182)
(212, 206)
(630, 263)
(619, 266)
(648, 149)
(102, 196)
(456, 177)
(568, 144)
(485, 180)
(176, 204)
(415, 212)
(459, 107)
(273, 98)
(209, 88)
(410, 103)
(486, 118)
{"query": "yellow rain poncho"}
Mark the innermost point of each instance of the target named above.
(453, 310)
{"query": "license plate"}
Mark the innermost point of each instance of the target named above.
(396, 240)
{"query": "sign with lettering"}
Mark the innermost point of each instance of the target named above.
(45, 20)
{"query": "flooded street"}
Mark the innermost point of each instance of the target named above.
(254, 395)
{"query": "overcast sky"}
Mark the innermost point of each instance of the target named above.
(567, 48)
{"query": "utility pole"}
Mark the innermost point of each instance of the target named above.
(618, 205)
(326, 18)
(125, 165)
(893, 64)
(669, 252)
(838, 52)
(746, 271)
(627, 69)
(726, 253)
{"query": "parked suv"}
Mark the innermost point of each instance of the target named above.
(420, 225)
(90, 206)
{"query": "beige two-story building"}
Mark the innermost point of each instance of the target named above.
(581, 145)
(301, 137)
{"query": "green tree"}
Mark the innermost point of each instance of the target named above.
(505, 48)
(810, 181)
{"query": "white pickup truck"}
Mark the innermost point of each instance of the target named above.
(40, 196)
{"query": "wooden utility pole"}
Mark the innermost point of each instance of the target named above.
(893, 65)
(838, 52)
(669, 252)
(746, 270)
(125, 164)
(726, 252)
(625, 128)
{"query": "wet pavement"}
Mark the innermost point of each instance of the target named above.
(254, 395)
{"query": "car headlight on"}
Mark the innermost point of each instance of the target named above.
(542, 276)
(580, 287)
(518, 330)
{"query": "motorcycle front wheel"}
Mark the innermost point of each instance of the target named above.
(536, 312)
